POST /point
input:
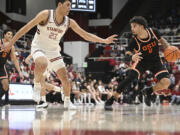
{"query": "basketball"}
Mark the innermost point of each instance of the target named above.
(171, 54)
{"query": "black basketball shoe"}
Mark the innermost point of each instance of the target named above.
(147, 95)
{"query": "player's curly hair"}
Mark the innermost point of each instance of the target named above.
(62, 1)
(139, 20)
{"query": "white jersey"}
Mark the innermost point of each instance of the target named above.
(48, 36)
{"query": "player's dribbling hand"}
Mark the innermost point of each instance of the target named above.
(111, 39)
(137, 57)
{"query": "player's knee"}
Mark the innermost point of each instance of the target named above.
(44, 65)
(5, 87)
(165, 82)
(41, 65)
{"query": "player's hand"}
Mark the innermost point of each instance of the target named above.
(27, 61)
(21, 75)
(6, 46)
(137, 57)
(111, 39)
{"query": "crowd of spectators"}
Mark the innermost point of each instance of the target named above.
(97, 91)
(94, 91)
(168, 24)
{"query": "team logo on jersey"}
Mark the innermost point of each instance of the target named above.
(54, 29)
(149, 46)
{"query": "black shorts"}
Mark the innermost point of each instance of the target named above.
(3, 73)
(157, 68)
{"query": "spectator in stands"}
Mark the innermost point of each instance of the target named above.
(176, 94)
(25, 72)
(107, 51)
(92, 91)
(31, 77)
(76, 92)
(172, 78)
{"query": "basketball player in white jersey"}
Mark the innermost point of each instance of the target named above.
(51, 26)
(40, 95)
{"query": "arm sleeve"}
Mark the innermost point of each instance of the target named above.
(157, 33)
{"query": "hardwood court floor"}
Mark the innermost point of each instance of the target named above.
(123, 120)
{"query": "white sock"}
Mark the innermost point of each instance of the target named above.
(37, 85)
(43, 98)
(36, 82)
(57, 89)
(66, 101)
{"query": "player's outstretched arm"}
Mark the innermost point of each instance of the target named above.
(88, 36)
(40, 17)
(164, 43)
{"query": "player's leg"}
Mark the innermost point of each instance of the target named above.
(160, 87)
(62, 75)
(44, 84)
(136, 70)
(163, 83)
(162, 75)
(41, 64)
(43, 103)
(48, 86)
(5, 87)
(2, 92)
(57, 65)
(133, 74)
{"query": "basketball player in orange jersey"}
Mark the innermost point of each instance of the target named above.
(144, 49)
(4, 55)
(51, 26)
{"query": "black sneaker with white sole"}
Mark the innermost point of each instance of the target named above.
(42, 105)
(147, 95)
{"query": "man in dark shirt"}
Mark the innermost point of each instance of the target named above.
(144, 49)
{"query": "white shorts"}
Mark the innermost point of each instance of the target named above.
(55, 60)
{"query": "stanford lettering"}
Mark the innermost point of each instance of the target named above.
(54, 29)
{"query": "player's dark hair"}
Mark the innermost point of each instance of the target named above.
(139, 20)
(62, 1)
(6, 31)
